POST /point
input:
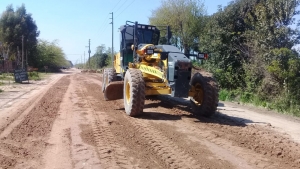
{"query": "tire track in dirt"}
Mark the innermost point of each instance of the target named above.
(136, 150)
(270, 149)
(111, 154)
(165, 140)
(22, 143)
(158, 145)
(171, 154)
(72, 134)
(254, 146)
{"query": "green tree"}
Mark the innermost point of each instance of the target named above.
(241, 36)
(224, 40)
(269, 36)
(186, 18)
(14, 25)
(102, 55)
(251, 50)
(284, 67)
(108, 61)
(101, 58)
(51, 55)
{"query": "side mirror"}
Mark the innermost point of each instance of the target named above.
(202, 56)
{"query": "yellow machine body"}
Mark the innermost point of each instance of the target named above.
(143, 68)
(154, 73)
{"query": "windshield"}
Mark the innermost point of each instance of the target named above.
(147, 36)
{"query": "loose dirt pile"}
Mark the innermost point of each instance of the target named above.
(24, 141)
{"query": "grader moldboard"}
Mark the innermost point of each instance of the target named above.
(143, 68)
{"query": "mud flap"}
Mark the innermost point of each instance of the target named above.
(114, 90)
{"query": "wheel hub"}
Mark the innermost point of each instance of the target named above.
(198, 96)
(127, 92)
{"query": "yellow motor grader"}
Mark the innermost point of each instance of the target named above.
(143, 68)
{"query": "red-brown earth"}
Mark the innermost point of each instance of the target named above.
(64, 122)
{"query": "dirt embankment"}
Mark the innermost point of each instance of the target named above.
(24, 141)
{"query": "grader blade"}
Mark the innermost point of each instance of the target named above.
(114, 90)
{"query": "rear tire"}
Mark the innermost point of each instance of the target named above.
(134, 92)
(109, 76)
(205, 100)
(104, 76)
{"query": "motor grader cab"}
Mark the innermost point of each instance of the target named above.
(142, 68)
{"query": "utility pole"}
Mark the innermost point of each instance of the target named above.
(22, 51)
(84, 59)
(112, 36)
(18, 58)
(89, 52)
(26, 54)
(26, 58)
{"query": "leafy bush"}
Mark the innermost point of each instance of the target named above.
(223, 95)
(281, 104)
(226, 95)
(246, 97)
(6, 76)
(34, 75)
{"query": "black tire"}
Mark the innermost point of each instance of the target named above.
(109, 75)
(208, 103)
(104, 76)
(134, 92)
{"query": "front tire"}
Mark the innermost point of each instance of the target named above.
(205, 100)
(134, 92)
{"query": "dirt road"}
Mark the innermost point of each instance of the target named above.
(66, 123)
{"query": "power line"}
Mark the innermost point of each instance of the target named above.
(115, 5)
(103, 27)
(121, 6)
(125, 8)
(104, 22)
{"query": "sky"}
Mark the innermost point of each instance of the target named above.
(74, 22)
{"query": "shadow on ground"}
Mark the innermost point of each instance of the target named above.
(186, 112)
(159, 116)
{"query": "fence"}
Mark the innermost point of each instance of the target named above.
(7, 66)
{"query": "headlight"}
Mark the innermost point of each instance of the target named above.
(149, 51)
